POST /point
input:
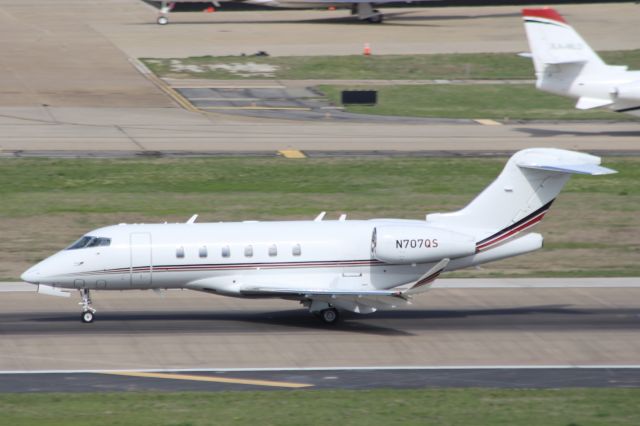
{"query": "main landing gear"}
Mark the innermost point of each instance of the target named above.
(329, 316)
(165, 8)
(366, 12)
(87, 310)
(323, 310)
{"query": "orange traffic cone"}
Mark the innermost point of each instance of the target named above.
(367, 49)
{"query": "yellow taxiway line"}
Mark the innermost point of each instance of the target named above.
(235, 381)
(487, 122)
(292, 153)
(173, 94)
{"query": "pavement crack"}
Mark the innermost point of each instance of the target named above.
(131, 138)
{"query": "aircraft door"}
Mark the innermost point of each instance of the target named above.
(141, 266)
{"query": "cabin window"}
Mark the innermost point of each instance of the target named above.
(273, 250)
(248, 251)
(89, 241)
(297, 250)
(180, 252)
(226, 251)
(202, 252)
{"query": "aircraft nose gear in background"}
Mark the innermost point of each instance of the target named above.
(87, 310)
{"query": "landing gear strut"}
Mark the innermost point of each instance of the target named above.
(87, 310)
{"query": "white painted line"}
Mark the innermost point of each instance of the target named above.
(10, 287)
(382, 367)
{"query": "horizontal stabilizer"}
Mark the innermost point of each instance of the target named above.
(581, 169)
(588, 103)
(558, 160)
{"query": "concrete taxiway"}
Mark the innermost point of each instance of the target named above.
(160, 129)
(538, 322)
(69, 80)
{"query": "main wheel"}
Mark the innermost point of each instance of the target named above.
(329, 316)
(376, 19)
(87, 317)
(162, 20)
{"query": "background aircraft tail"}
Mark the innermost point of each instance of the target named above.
(554, 42)
(560, 55)
(520, 196)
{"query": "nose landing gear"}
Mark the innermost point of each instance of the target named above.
(87, 310)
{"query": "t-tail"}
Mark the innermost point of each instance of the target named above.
(519, 197)
(566, 65)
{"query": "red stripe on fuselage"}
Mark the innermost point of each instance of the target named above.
(512, 232)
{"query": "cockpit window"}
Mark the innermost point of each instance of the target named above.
(89, 241)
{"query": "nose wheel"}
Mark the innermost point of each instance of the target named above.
(87, 317)
(88, 312)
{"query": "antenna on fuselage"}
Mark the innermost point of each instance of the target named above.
(192, 219)
(320, 217)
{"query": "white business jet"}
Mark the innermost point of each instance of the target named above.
(328, 265)
(364, 10)
(566, 65)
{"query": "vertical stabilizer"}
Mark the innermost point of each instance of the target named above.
(553, 41)
(520, 196)
(564, 63)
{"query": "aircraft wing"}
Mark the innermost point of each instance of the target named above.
(354, 300)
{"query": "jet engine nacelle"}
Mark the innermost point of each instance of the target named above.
(630, 91)
(402, 244)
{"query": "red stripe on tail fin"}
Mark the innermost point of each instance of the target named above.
(547, 13)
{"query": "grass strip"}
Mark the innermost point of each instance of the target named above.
(378, 67)
(495, 101)
(352, 407)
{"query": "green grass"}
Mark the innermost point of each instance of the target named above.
(562, 407)
(496, 101)
(385, 67)
(47, 203)
(157, 187)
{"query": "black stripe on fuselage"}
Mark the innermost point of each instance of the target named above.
(518, 223)
(235, 266)
(628, 109)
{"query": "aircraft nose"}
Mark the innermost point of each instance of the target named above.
(31, 275)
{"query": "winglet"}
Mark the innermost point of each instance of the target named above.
(422, 284)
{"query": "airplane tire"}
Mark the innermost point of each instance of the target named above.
(329, 316)
(163, 20)
(87, 317)
(376, 19)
